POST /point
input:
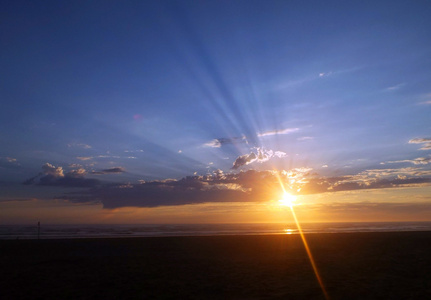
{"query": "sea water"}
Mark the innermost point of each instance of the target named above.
(161, 230)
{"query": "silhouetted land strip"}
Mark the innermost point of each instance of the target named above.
(352, 266)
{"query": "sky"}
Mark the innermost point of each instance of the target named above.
(208, 111)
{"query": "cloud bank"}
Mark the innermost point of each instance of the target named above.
(244, 186)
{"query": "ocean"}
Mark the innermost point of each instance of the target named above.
(157, 230)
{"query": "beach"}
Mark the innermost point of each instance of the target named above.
(373, 265)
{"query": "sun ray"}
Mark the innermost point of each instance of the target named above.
(288, 200)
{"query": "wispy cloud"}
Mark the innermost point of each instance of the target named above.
(426, 99)
(84, 157)
(395, 87)
(134, 151)
(425, 141)
(276, 132)
(79, 145)
(323, 74)
(108, 156)
(9, 161)
(217, 143)
(416, 161)
(115, 170)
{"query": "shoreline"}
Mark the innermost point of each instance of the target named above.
(8, 232)
(208, 235)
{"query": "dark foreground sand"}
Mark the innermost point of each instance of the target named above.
(352, 266)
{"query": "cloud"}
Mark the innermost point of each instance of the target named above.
(260, 156)
(244, 186)
(395, 87)
(416, 161)
(244, 160)
(55, 176)
(8, 162)
(325, 74)
(53, 171)
(80, 172)
(249, 186)
(370, 179)
(115, 170)
(109, 156)
(84, 157)
(419, 140)
(217, 143)
(276, 132)
(400, 181)
(426, 99)
(75, 165)
(425, 141)
(103, 156)
(84, 146)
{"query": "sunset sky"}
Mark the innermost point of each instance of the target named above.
(198, 111)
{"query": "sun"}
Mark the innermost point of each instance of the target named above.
(288, 200)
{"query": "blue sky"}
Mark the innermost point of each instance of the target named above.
(114, 93)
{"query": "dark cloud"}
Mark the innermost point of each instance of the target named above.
(243, 186)
(250, 186)
(17, 199)
(68, 181)
(260, 155)
(244, 160)
(115, 170)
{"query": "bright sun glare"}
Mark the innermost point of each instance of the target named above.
(288, 200)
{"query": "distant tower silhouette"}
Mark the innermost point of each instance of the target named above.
(38, 230)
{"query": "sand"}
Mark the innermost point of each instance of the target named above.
(352, 266)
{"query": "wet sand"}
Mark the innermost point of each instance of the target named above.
(352, 266)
